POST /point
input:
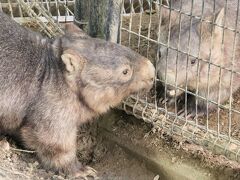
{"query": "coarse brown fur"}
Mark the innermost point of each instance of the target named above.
(50, 87)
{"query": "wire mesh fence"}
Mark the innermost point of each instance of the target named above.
(137, 6)
(43, 15)
(195, 48)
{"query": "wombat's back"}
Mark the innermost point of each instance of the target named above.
(205, 8)
(18, 48)
(24, 55)
(23, 67)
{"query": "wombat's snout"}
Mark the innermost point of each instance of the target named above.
(168, 75)
(151, 71)
(148, 72)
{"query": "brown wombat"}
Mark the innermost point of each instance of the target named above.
(50, 87)
(213, 53)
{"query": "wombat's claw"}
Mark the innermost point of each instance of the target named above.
(181, 113)
(87, 173)
(178, 101)
(160, 100)
(164, 101)
(190, 115)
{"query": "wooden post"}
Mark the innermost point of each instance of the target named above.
(97, 18)
(104, 21)
(113, 21)
(102, 17)
(81, 12)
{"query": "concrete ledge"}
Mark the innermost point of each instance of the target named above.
(168, 163)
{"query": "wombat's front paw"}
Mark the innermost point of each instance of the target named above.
(86, 173)
(192, 112)
(171, 100)
(189, 114)
(169, 96)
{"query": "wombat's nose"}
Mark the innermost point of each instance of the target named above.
(145, 75)
(151, 70)
(149, 73)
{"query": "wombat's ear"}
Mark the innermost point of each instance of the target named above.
(73, 61)
(165, 2)
(219, 18)
(206, 27)
(72, 29)
(166, 12)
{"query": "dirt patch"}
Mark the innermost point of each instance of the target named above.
(140, 133)
(116, 164)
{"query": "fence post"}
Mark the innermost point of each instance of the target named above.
(97, 18)
(103, 17)
(113, 20)
(81, 12)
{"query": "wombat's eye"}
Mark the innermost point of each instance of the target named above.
(193, 61)
(125, 71)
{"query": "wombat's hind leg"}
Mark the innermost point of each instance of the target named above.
(57, 150)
